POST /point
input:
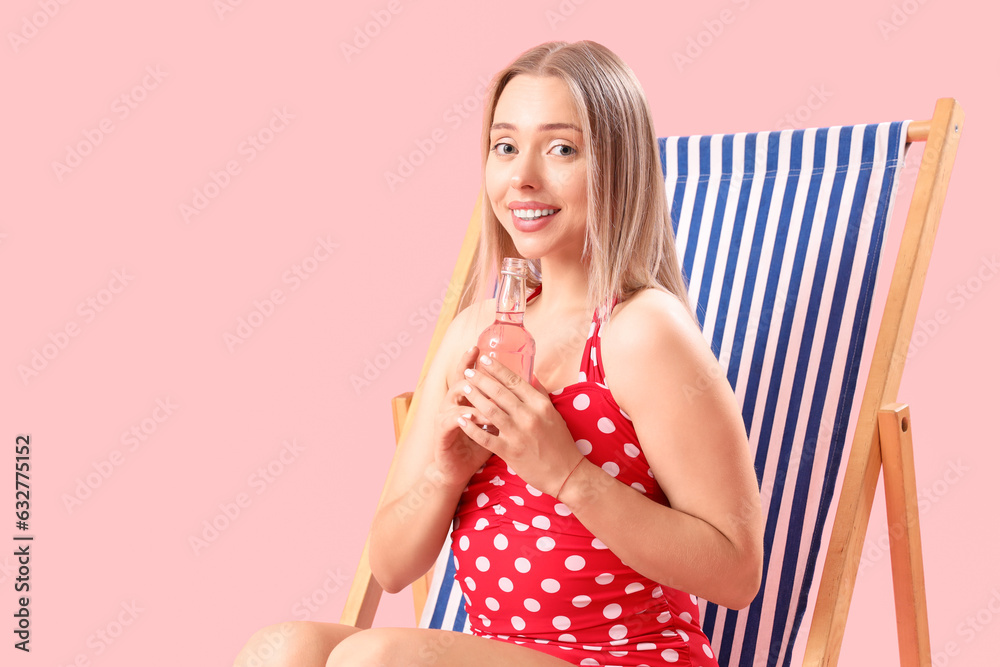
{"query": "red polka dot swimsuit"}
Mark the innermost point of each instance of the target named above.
(532, 574)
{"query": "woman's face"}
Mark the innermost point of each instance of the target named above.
(536, 170)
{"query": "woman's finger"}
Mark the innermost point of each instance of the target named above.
(468, 413)
(488, 406)
(484, 436)
(467, 361)
(471, 414)
(505, 376)
(500, 384)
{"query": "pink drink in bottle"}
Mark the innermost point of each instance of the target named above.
(506, 340)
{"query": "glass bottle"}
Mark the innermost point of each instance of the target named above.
(506, 340)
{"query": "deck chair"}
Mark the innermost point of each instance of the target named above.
(781, 236)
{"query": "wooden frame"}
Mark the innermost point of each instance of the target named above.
(882, 438)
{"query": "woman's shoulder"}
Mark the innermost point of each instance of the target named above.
(649, 317)
(461, 333)
(652, 333)
(476, 312)
(464, 329)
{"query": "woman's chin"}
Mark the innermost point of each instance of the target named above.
(529, 250)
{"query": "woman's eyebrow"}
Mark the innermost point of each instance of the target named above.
(545, 127)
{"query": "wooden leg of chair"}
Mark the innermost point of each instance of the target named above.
(421, 587)
(362, 600)
(904, 534)
(840, 570)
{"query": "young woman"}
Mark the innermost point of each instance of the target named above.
(619, 487)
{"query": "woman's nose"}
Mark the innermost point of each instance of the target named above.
(525, 171)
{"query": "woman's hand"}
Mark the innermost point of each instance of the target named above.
(533, 438)
(456, 456)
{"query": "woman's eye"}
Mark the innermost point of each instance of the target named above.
(564, 151)
(503, 148)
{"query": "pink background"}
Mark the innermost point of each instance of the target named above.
(320, 174)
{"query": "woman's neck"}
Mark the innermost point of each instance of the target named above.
(564, 291)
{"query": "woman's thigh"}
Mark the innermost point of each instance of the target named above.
(293, 644)
(416, 647)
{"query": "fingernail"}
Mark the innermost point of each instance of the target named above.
(486, 361)
(468, 415)
(471, 349)
(469, 372)
(462, 421)
(467, 389)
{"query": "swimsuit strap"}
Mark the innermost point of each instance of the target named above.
(592, 350)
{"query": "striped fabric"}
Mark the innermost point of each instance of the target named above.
(780, 236)
(445, 607)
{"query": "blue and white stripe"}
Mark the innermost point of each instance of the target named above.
(445, 608)
(780, 235)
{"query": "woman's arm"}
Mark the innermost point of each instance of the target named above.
(666, 378)
(419, 500)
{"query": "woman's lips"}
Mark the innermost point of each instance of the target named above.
(532, 225)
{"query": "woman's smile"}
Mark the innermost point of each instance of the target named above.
(531, 216)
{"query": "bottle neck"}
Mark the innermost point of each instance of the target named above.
(510, 318)
(511, 298)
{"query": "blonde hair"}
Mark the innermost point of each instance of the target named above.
(629, 236)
